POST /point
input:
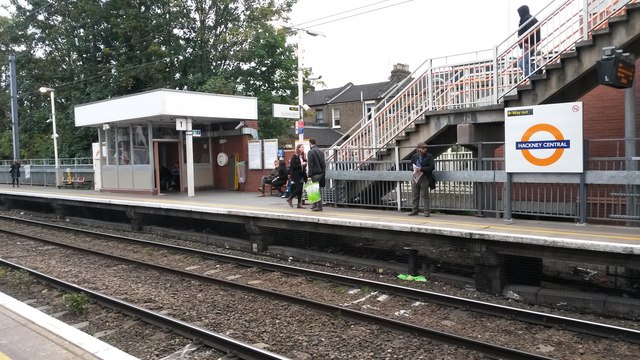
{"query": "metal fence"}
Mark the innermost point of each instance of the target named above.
(608, 190)
(42, 172)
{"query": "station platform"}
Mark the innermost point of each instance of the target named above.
(28, 334)
(604, 238)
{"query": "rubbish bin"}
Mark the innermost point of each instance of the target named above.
(241, 172)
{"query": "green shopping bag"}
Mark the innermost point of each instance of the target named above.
(313, 192)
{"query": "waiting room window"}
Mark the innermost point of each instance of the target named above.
(319, 117)
(336, 118)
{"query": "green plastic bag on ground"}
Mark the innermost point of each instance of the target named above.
(412, 277)
(313, 192)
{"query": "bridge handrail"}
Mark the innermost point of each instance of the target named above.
(474, 79)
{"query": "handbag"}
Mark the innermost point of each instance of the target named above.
(313, 192)
(432, 182)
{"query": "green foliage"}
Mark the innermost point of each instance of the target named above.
(20, 278)
(91, 50)
(78, 303)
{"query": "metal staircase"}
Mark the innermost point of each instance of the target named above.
(448, 89)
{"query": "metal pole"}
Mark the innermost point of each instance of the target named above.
(190, 168)
(300, 89)
(630, 147)
(15, 129)
(55, 137)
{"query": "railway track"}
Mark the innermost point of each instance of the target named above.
(475, 345)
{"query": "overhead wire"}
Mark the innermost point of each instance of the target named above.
(353, 15)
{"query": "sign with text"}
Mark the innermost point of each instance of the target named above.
(544, 138)
(270, 152)
(255, 154)
(286, 111)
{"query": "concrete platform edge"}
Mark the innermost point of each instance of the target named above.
(74, 336)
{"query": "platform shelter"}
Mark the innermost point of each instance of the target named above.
(169, 140)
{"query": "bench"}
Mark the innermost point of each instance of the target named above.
(277, 189)
(76, 183)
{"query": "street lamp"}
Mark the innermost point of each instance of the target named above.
(299, 31)
(51, 92)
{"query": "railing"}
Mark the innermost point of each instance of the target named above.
(41, 172)
(474, 185)
(473, 79)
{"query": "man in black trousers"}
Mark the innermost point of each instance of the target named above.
(317, 168)
(423, 166)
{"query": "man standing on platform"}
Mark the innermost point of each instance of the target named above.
(423, 167)
(317, 167)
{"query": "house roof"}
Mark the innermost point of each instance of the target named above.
(325, 136)
(347, 93)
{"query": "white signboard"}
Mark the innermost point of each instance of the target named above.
(181, 124)
(270, 152)
(544, 138)
(286, 111)
(255, 154)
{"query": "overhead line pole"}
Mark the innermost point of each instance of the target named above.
(14, 107)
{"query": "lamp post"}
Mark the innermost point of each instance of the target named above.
(299, 32)
(51, 92)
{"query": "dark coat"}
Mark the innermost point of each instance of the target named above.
(427, 164)
(317, 165)
(15, 170)
(529, 22)
(295, 169)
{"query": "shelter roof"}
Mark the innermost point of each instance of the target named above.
(164, 106)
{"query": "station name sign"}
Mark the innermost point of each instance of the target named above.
(286, 111)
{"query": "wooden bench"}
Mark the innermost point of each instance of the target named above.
(277, 189)
(76, 183)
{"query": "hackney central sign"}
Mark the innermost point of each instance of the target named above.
(544, 138)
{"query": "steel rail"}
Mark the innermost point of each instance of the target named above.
(215, 340)
(354, 315)
(533, 317)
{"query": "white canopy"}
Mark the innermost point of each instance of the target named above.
(164, 105)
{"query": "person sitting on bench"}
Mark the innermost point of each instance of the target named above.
(277, 178)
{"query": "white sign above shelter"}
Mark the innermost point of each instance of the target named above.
(286, 111)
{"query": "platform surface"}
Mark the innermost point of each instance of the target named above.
(608, 238)
(28, 334)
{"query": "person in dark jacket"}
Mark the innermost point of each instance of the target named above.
(15, 173)
(317, 168)
(423, 166)
(277, 178)
(529, 41)
(297, 175)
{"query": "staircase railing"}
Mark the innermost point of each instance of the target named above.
(474, 79)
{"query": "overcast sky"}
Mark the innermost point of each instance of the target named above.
(364, 48)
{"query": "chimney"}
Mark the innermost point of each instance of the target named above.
(399, 72)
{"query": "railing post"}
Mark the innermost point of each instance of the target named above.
(582, 206)
(585, 20)
(507, 200)
(479, 187)
(398, 183)
(430, 98)
(495, 75)
(335, 182)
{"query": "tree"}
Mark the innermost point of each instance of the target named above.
(90, 50)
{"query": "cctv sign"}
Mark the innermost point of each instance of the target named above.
(544, 138)
(286, 111)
